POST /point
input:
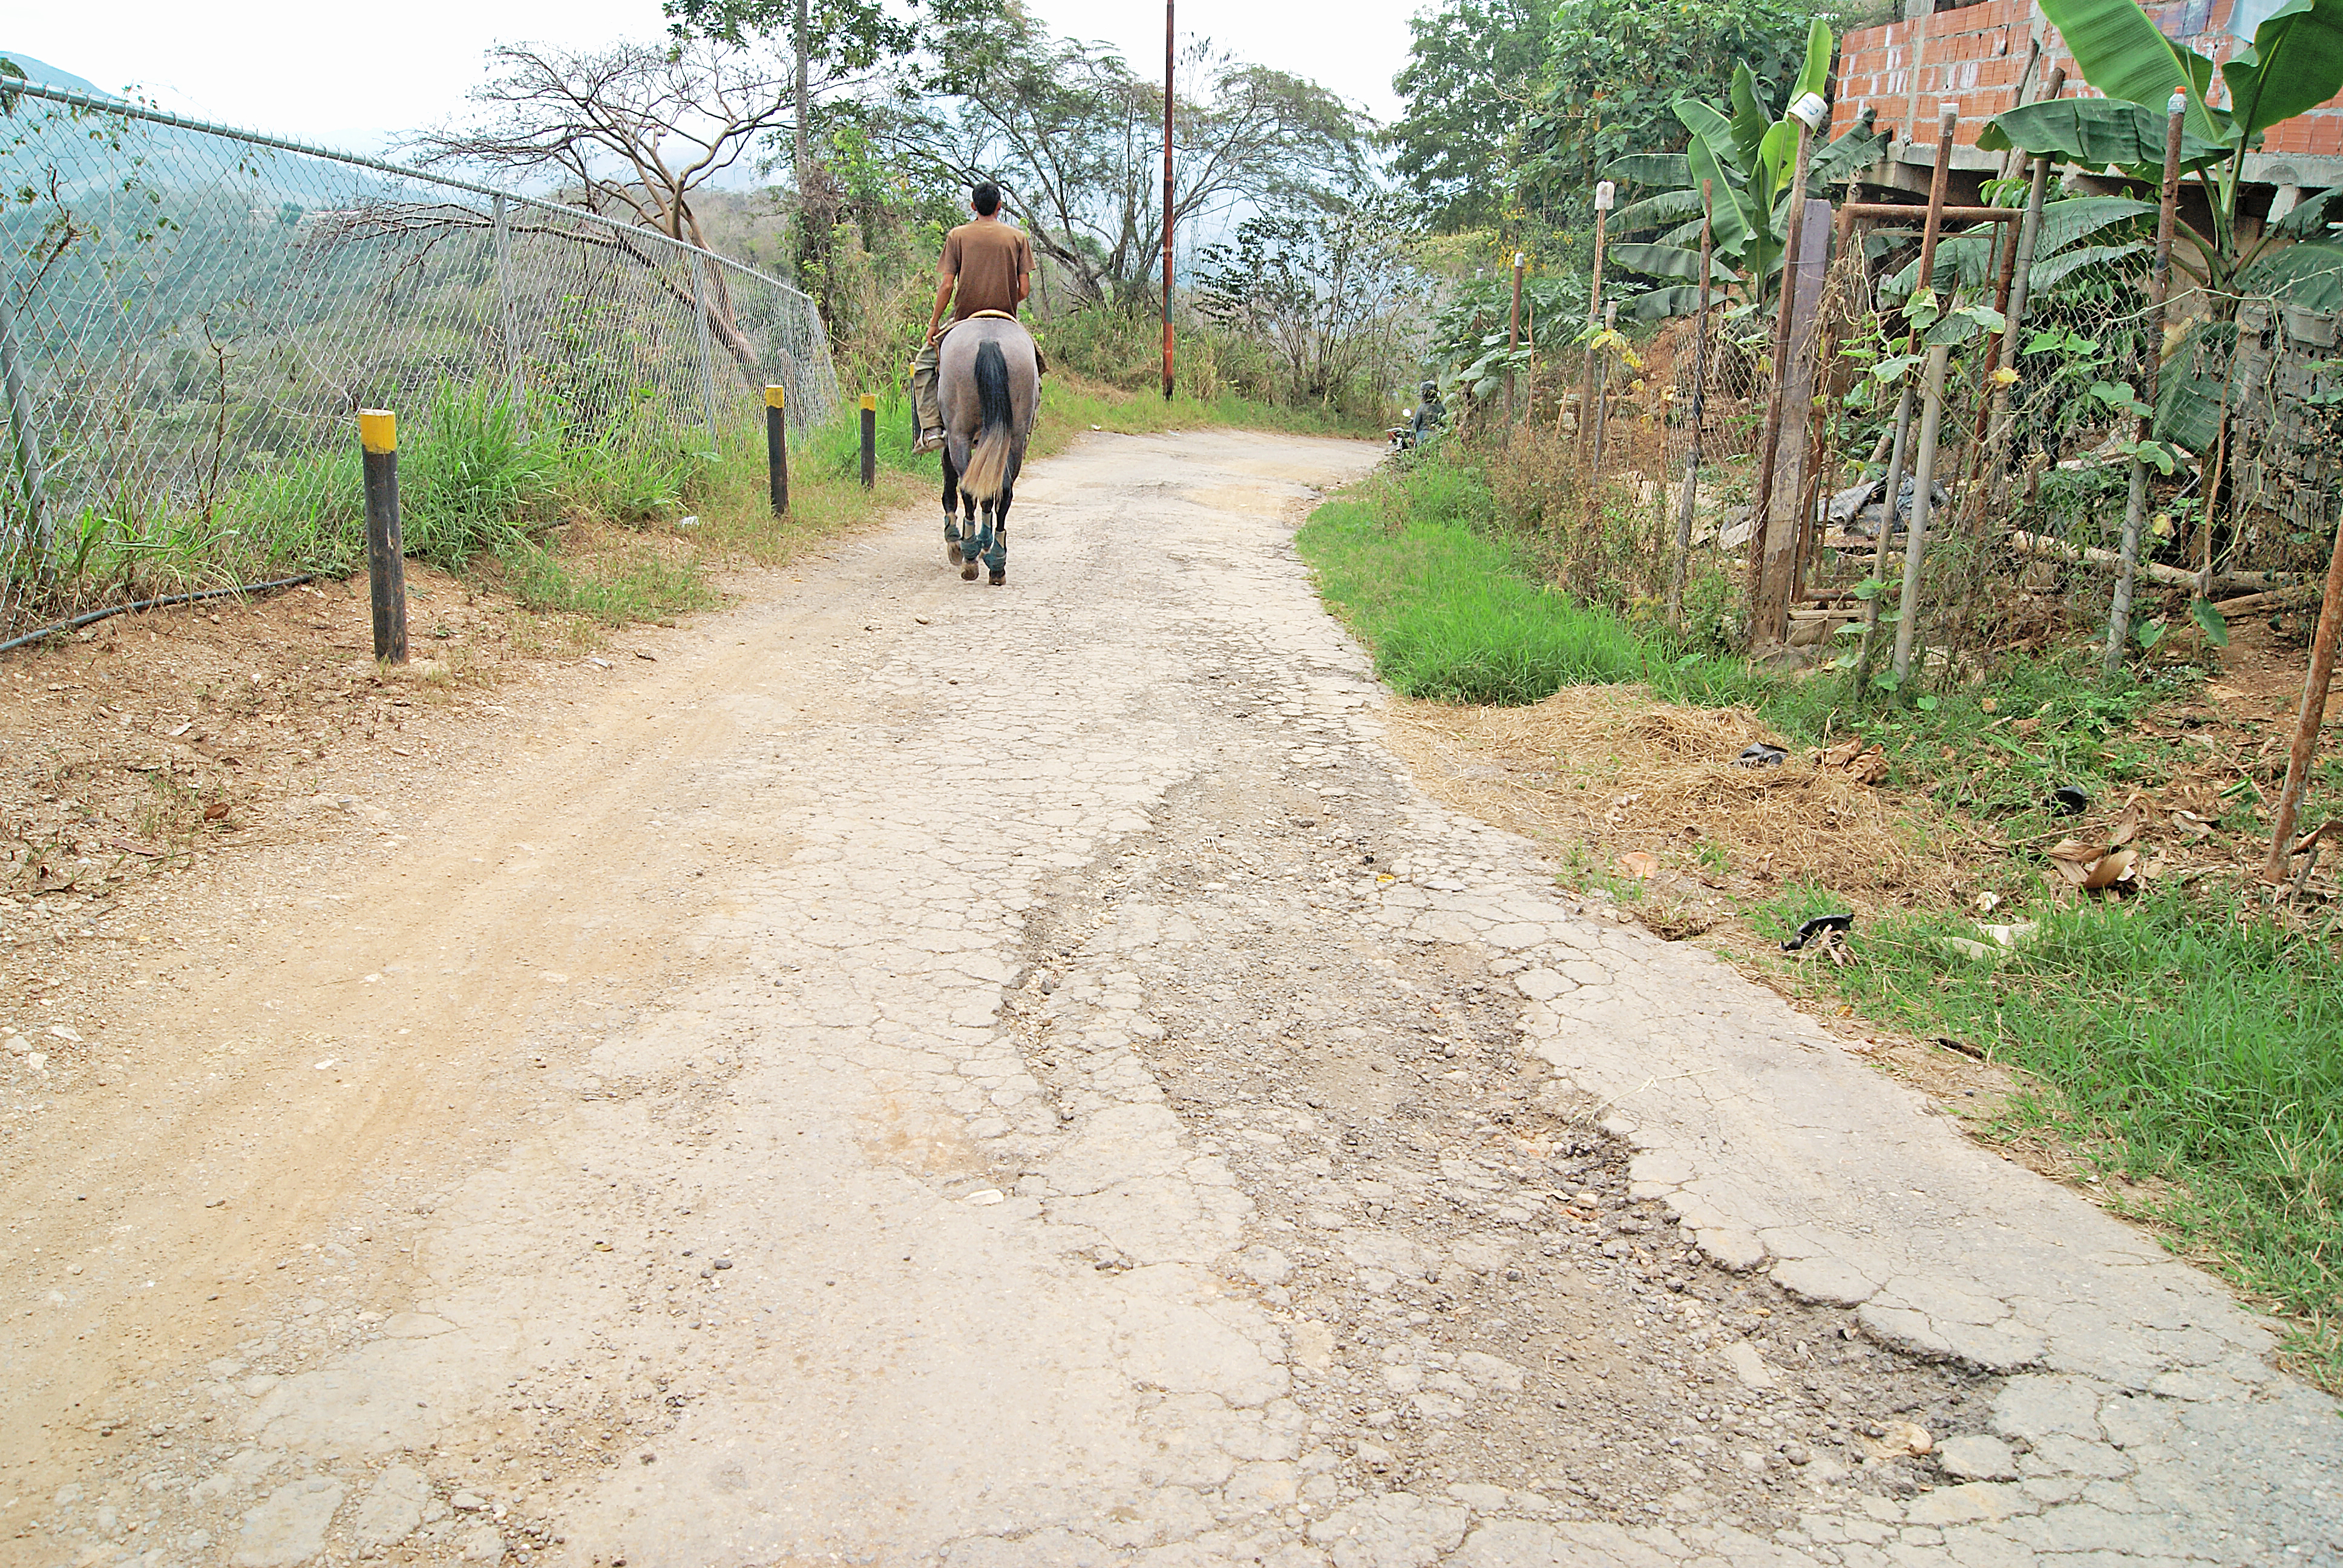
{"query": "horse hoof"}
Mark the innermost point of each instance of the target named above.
(952, 552)
(1000, 577)
(968, 572)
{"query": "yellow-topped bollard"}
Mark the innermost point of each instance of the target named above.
(870, 439)
(386, 550)
(776, 448)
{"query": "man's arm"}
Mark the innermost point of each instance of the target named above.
(1024, 271)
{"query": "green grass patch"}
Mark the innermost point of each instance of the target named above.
(2186, 1042)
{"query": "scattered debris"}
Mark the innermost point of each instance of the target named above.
(2071, 801)
(1758, 754)
(1835, 925)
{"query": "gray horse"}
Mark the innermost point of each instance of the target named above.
(989, 383)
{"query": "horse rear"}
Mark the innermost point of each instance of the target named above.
(989, 383)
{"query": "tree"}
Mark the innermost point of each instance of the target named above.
(1471, 69)
(833, 45)
(1326, 286)
(1616, 69)
(1074, 138)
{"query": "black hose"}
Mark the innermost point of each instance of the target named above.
(88, 616)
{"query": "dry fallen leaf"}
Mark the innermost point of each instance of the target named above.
(2110, 869)
(1639, 864)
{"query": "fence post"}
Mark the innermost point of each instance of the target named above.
(1513, 342)
(1605, 191)
(1916, 534)
(386, 553)
(1948, 116)
(511, 316)
(777, 448)
(2136, 503)
(29, 469)
(1769, 600)
(707, 347)
(2314, 714)
(1699, 398)
(870, 439)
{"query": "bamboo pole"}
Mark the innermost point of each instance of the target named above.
(2136, 503)
(2313, 714)
(1699, 401)
(1947, 117)
(1916, 534)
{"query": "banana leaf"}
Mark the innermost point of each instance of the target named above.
(1668, 206)
(2189, 386)
(1673, 299)
(2098, 134)
(1662, 169)
(2309, 275)
(1858, 148)
(1663, 261)
(2048, 274)
(2296, 62)
(2312, 214)
(2124, 55)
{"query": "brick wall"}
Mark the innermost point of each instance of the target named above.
(1976, 55)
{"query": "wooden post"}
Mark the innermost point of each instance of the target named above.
(1604, 193)
(2314, 714)
(1168, 42)
(1947, 117)
(1916, 534)
(870, 439)
(1602, 384)
(385, 551)
(1769, 604)
(1513, 342)
(2151, 358)
(777, 448)
(1699, 400)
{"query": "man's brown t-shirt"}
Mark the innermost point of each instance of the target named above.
(988, 257)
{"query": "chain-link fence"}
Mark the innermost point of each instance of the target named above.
(190, 316)
(2030, 488)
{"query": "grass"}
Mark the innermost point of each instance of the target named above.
(2180, 1043)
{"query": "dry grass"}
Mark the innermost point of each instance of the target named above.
(1620, 772)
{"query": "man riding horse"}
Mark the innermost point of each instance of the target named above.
(987, 267)
(976, 384)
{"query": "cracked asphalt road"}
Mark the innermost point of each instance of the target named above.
(928, 1075)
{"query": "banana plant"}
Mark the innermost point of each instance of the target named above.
(1747, 158)
(2294, 62)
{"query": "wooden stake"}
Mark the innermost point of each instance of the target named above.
(2313, 714)
(1699, 400)
(2136, 503)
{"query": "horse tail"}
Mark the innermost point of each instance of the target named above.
(987, 462)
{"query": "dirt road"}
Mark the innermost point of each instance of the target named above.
(915, 1072)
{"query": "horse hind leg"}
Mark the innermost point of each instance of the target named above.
(952, 508)
(996, 558)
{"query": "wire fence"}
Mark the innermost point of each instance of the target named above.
(2030, 491)
(190, 315)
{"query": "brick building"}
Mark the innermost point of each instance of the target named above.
(1985, 57)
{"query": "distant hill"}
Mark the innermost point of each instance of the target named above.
(48, 75)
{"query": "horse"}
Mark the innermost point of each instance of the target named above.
(989, 384)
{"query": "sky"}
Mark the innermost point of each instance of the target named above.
(351, 76)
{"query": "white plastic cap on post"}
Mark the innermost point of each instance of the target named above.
(1602, 194)
(1520, 260)
(1949, 113)
(2178, 105)
(1812, 111)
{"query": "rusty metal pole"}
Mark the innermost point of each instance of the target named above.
(1948, 115)
(1699, 400)
(1168, 38)
(2314, 714)
(2152, 362)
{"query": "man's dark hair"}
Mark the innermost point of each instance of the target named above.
(985, 198)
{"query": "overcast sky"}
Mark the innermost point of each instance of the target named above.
(350, 75)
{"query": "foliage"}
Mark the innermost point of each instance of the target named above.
(1615, 69)
(1473, 65)
(1470, 349)
(1326, 289)
(1746, 159)
(1072, 132)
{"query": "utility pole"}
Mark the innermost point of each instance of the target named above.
(1167, 38)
